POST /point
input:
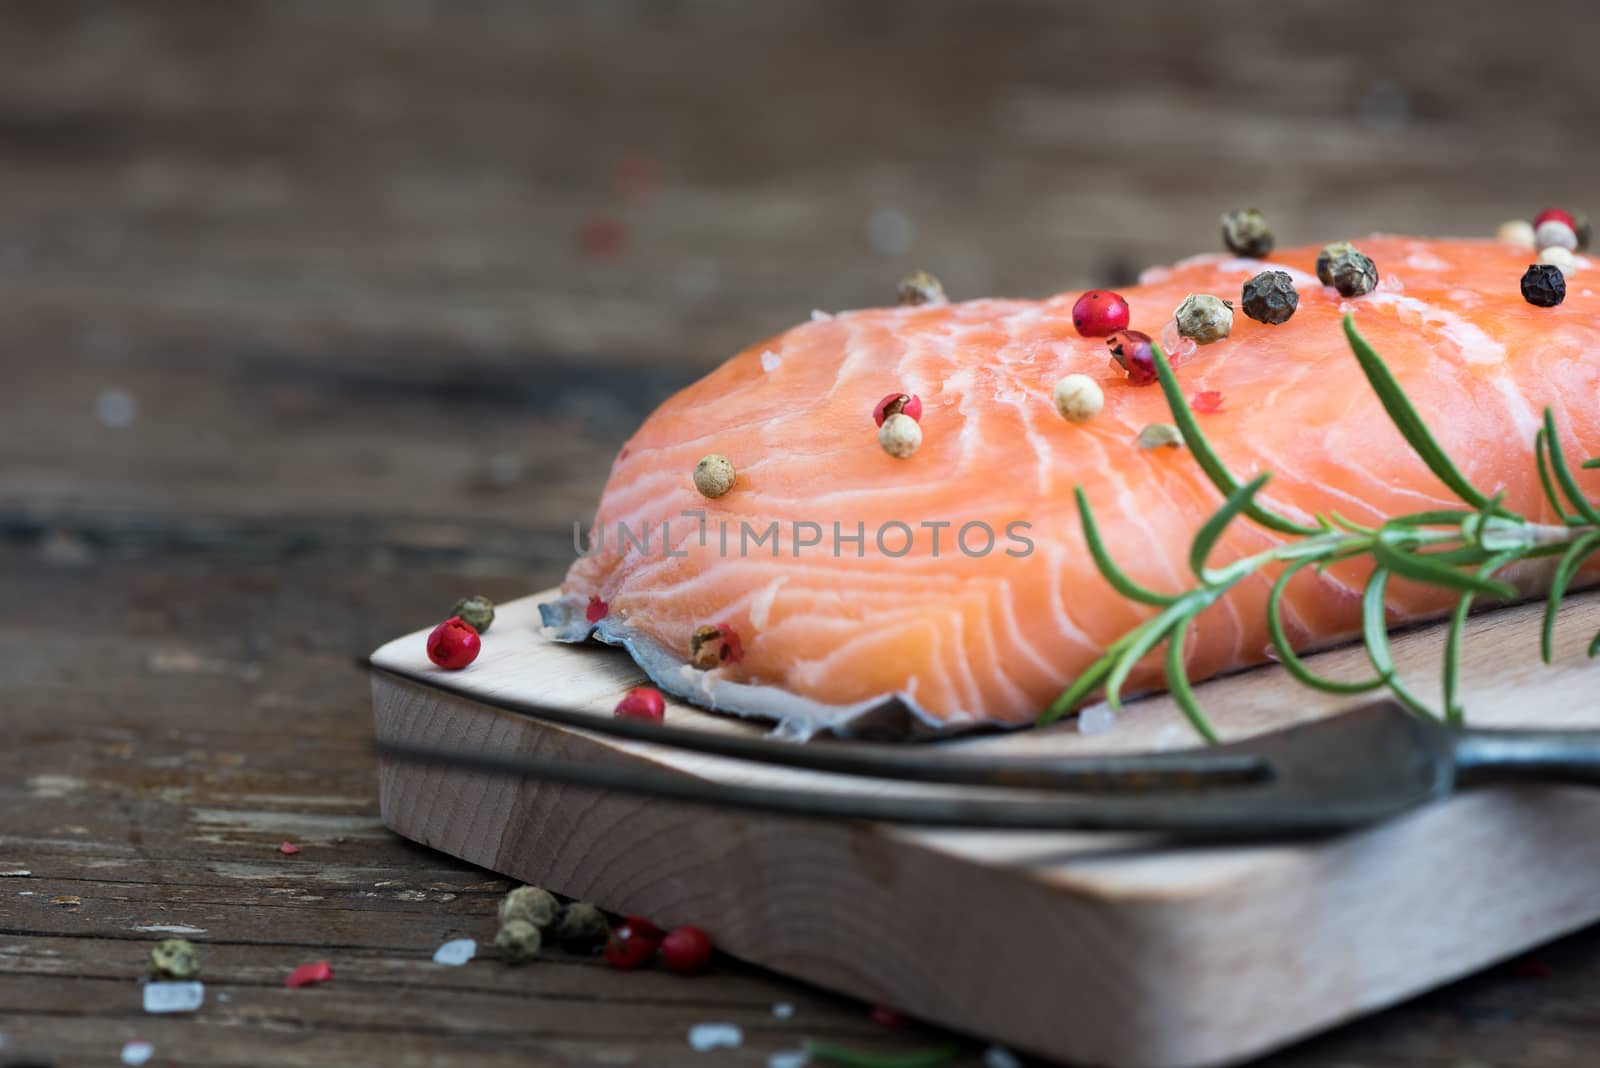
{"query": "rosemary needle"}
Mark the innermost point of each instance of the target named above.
(1458, 549)
(932, 1057)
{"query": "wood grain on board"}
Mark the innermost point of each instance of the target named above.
(1175, 956)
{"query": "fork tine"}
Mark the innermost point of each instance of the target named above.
(1216, 815)
(1141, 774)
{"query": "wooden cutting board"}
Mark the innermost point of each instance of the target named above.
(1105, 949)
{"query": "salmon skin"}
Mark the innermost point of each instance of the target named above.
(923, 624)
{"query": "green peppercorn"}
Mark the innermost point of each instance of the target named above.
(1270, 297)
(1347, 269)
(1543, 285)
(714, 475)
(518, 941)
(1204, 318)
(529, 903)
(581, 926)
(477, 611)
(174, 958)
(1160, 435)
(1246, 233)
(920, 287)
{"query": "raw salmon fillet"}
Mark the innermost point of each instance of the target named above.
(841, 636)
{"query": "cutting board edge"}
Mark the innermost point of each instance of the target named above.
(1171, 1024)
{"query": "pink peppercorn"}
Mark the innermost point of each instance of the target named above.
(632, 945)
(686, 950)
(1134, 352)
(1100, 313)
(453, 644)
(1559, 215)
(642, 702)
(644, 927)
(898, 404)
(307, 974)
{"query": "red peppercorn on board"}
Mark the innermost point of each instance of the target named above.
(1107, 949)
(969, 596)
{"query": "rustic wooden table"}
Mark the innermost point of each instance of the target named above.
(314, 317)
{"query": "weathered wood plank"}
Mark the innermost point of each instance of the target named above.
(140, 812)
(346, 243)
(333, 254)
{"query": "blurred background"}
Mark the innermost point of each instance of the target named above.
(388, 280)
(317, 316)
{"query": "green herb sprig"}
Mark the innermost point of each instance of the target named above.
(931, 1057)
(1458, 549)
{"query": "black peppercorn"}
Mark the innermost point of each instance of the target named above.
(580, 925)
(1270, 297)
(1347, 269)
(1582, 229)
(1543, 285)
(1246, 233)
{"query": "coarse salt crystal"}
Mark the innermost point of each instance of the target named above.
(771, 361)
(890, 232)
(789, 1058)
(819, 316)
(174, 997)
(1000, 1057)
(1096, 719)
(709, 1036)
(136, 1053)
(456, 952)
(116, 408)
(783, 1010)
(1176, 347)
(1171, 736)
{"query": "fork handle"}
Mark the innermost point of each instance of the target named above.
(1486, 756)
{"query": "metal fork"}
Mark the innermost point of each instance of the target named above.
(1370, 764)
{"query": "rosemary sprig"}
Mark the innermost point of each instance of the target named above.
(1458, 549)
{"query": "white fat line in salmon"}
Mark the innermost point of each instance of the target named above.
(893, 539)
